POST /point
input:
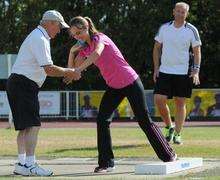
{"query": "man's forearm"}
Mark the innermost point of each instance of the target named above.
(54, 71)
(197, 57)
(197, 62)
(156, 57)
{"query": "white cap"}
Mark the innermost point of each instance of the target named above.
(54, 15)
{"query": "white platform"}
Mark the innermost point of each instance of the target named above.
(163, 168)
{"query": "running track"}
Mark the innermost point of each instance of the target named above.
(74, 124)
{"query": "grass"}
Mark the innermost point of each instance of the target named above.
(127, 142)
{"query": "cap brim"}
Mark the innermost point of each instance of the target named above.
(64, 25)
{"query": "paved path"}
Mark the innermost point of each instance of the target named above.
(82, 168)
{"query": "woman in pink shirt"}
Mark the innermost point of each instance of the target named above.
(122, 82)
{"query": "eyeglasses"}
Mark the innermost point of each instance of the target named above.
(77, 33)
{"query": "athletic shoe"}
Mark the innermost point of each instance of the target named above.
(174, 158)
(103, 169)
(18, 168)
(34, 170)
(169, 133)
(177, 139)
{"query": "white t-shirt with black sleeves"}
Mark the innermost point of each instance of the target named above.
(33, 54)
(175, 47)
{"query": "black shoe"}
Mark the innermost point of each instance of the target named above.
(103, 169)
(175, 158)
(169, 134)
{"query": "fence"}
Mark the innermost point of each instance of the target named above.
(70, 104)
(53, 104)
(85, 104)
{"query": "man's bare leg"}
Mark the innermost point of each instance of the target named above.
(161, 103)
(31, 137)
(180, 117)
(21, 147)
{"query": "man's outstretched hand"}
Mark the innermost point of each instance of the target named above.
(71, 74)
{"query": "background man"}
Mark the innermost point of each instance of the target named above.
(172, 44)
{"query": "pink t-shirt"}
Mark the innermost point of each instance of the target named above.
(112, 65)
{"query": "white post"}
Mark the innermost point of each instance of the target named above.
(67, 105)
(10, 118)
(77, 105)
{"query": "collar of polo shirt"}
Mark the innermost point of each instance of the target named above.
(43, 31)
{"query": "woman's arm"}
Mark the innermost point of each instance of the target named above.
(71, 60)
(86, 63)
(73, 54)
(92, 58)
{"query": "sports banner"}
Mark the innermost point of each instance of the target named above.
(203, 103)
(49, 102)
(89, 102)
(4, 106)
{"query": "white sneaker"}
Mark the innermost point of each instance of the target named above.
(39, 171)
(19, 168)
(35, 170)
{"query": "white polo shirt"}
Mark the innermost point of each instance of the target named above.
(175, 47)
(33, 54)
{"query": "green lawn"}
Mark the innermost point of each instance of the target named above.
(127, 142)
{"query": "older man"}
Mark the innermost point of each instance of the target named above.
(171, 74)
(29, 72)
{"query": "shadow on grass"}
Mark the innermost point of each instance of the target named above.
(212, 173)
(94, 174)
(82, 174)
(95, 148)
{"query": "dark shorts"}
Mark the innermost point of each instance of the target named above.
(23, 100)
(173, 85)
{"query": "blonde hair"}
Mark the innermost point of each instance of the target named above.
(183, 4)
(84, 23)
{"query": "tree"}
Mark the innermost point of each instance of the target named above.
(131, 24)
